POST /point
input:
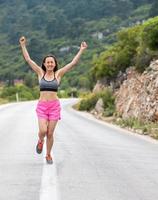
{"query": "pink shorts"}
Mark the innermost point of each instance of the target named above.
(49, 110)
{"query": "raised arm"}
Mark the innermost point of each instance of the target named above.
(75, 60)
(25, 53)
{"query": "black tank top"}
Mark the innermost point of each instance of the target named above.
(48, 85)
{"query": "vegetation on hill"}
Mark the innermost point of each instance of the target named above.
(58, 27)
(135, 46)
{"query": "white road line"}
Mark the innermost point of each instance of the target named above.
(48, 189)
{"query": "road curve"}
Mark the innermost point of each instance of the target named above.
(92, 160)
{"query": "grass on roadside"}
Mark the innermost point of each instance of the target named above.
(141, 127)
(3, 101)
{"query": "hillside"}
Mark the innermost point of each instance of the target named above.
(58, 27)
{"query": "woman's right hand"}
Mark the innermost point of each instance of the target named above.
(22, 40)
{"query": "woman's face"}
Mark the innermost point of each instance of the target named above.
(50, 63)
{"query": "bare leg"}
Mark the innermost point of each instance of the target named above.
(43, 128)
(50, 134)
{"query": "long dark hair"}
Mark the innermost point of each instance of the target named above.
(56, 63)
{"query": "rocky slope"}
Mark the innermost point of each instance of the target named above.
(138, 95)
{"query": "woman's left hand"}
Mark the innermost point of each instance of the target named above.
(83, 46)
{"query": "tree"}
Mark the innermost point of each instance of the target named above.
(57, 26)
(150, 34)
(30, 80)
(154, 9)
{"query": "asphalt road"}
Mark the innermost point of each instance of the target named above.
(92, 160)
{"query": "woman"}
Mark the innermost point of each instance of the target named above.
(48, 107)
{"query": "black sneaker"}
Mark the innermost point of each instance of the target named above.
(49, 159)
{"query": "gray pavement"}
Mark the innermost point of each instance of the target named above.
(98, 162)
(20, 167)
(93, 160)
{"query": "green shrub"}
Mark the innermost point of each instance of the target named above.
(88, 103)
(70, 92)
(23, 92)
(148, 44)
(142, 59)
(62, 94)
(119, 56)
(135, 46)
(108, 101)
(149, 34)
